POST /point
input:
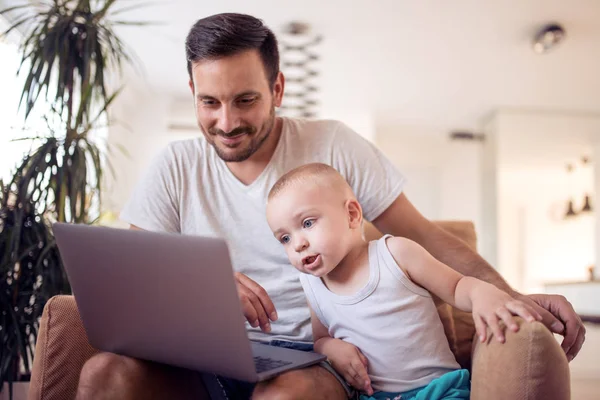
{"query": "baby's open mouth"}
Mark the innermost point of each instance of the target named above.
(309, 260)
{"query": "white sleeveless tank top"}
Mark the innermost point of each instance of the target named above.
(393, 322)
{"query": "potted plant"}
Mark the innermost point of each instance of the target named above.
(68, 51)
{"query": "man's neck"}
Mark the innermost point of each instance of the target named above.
(248, 170)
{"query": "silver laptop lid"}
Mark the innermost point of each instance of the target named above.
(154, 296)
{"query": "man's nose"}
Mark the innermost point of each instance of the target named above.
(228, 119)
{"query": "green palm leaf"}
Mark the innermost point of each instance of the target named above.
(68, 48)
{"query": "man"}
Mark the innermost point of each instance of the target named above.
(217, 185)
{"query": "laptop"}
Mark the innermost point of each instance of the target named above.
(167, 298)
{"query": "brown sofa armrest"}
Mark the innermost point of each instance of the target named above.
(529, 365)
(61, 350)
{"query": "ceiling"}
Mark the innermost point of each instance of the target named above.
(440, 64)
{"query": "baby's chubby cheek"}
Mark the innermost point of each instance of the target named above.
(296, 263)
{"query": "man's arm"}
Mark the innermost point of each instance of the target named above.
(401, 218)
(488, 304)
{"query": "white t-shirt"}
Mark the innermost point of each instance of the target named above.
(188, 189)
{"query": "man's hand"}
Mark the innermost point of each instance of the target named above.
(560, 317)
(491, 305)
(349, 362)
(256, 303)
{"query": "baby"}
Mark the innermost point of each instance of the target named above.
(371, 309)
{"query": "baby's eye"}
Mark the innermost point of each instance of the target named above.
(285, 239)
(308, 223)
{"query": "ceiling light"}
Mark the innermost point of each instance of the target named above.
(547, 38)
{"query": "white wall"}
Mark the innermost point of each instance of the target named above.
(538, 246)
(361, 121)
(489, 195)
(596, 178)
(443, 176)
(139, 125)
(534, 245)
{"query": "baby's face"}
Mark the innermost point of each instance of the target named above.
(312, 224)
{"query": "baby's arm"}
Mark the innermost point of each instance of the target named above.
(487, 303)
(345, 358)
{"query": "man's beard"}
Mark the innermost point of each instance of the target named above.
(255, 141)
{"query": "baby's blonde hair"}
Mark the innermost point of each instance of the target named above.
(315, 173)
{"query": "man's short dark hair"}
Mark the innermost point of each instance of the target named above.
(223, 35)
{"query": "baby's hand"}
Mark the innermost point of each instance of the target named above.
(490, 305)
(349, 362)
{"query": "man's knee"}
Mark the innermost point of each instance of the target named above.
(106, 366)
(110, 376)
(280, 390)
(106, 371)
(313, 383)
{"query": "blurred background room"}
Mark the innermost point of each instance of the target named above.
(490, 108)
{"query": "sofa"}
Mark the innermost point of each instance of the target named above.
(530, 365)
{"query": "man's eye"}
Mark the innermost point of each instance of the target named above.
(247, 100)
(208, 102)
(308, 223)
(285, 239)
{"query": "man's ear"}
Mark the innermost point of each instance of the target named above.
(191, 83)
(355, 216)
(278, 89)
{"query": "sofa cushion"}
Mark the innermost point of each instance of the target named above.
(530, 365)
(55, 372)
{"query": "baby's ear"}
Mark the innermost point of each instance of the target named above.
(354, 213)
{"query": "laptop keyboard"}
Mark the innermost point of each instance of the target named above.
(263, 364)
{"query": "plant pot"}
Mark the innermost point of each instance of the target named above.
(20, 390)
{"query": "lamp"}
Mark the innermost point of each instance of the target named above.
(587, 202)
(570, 213)
(548, 37)
(298, 62)
(570, 210)
(587, 205)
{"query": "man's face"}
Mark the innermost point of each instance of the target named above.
(235, 107)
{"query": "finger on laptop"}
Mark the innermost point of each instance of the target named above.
(263, 320)
(251, 303)
(261, 293)
(253, 309)
(248, 308)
